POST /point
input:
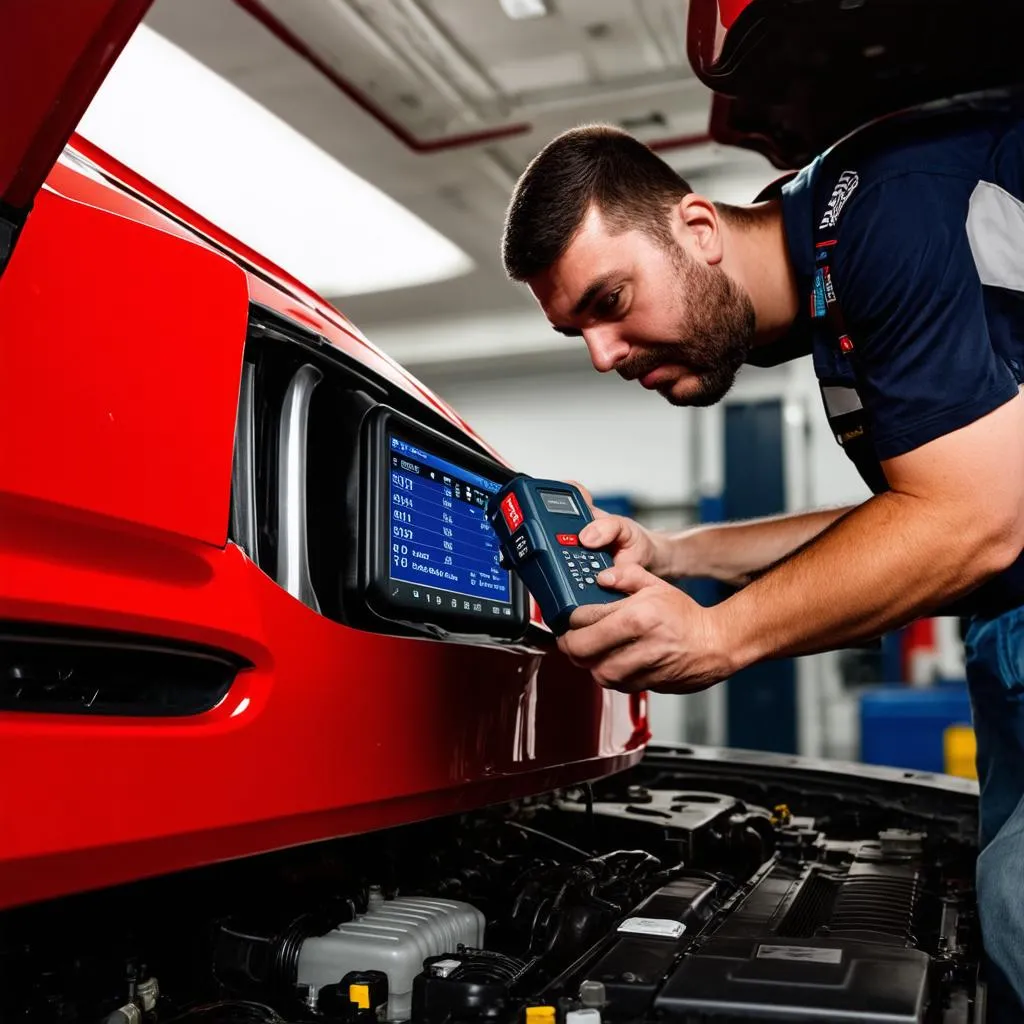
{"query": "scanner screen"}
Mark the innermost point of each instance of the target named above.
(443, 550)
(559, 501)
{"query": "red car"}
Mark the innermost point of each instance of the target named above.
(270, 755)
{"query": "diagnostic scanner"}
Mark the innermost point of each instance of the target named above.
(538, 523)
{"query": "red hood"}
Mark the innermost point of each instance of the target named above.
(53, 66)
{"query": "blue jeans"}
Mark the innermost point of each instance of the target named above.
(995, 676)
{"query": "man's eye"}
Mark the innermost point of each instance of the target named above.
(609, 302)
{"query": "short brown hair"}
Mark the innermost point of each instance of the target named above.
(595, 164)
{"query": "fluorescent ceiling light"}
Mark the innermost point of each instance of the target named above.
(519, 10)
(214, 148)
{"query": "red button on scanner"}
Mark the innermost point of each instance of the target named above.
(569, 540)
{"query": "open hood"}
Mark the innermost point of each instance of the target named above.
(55, 57)
(793, 76)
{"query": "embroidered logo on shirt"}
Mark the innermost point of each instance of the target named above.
(818, 304)
(830, 292)
(823, 294)
(848, 181)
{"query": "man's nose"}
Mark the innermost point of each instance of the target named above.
(606, 347)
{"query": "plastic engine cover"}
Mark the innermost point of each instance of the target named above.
(394, 937)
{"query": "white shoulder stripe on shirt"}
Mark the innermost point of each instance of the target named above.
(995, 229)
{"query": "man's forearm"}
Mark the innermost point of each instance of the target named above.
(732, 552)
(886, 562)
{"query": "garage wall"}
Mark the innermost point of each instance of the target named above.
(831, 477)
(610, 436)
(823, 475)
(616, 437)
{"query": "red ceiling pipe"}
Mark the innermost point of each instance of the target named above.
(294, 42)
(679, 141)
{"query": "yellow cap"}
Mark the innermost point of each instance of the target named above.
(540, 1014)
(360, 995)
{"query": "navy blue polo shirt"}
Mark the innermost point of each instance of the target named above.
(915, 229)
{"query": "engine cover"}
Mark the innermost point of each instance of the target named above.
(810, 943)
(799, 980)
(395, 937)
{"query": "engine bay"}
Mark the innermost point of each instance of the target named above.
(671, 892)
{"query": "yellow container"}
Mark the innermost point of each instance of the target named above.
(959, 748)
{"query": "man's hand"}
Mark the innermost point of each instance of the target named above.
(655, 639)
(628, 542)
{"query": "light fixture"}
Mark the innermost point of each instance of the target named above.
(520, 10)
(198, 137)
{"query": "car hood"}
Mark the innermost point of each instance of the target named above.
(791, 78)
(52, 68)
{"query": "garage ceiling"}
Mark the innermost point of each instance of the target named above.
(427, 70)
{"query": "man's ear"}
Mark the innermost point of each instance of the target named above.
(697, 228)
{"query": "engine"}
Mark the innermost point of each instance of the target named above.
(642, 901)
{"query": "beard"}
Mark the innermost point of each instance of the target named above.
(713, 337)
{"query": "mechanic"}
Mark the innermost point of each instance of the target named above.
(897, 261)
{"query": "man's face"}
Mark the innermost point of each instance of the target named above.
(651, 311)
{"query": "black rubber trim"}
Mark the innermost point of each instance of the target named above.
(74, 671)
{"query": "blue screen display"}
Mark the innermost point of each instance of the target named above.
(440, 536)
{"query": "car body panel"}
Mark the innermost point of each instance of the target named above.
(123, 321)
(121, 394)
(331, 731)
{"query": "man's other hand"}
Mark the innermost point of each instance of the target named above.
(628, 542)
(657, 638)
